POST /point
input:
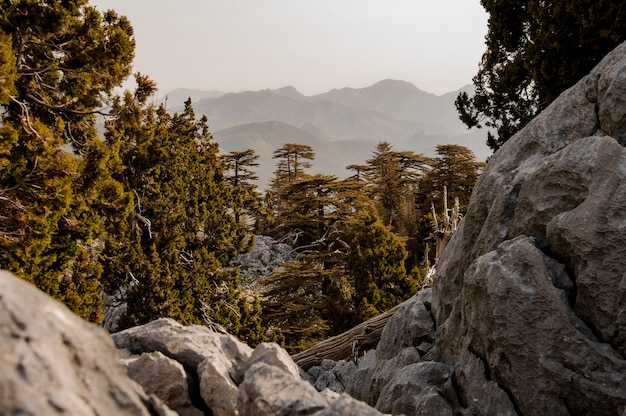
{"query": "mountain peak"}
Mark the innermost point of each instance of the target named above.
(394, 83)
(288, 91)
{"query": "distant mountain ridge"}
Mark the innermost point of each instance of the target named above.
(338, 124)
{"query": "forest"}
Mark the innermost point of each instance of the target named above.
(151, 207)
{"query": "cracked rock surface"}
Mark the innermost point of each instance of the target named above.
(534, 282)
(52, 362)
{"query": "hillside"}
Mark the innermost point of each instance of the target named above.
(342, 125)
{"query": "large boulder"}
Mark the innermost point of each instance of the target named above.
(529, 298)
(53, 362)
(534, 281)
(407, 338)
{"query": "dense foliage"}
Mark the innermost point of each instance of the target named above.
(147, 210)
(359, 241)
(151, 210)
(536, 50)
(59, 61)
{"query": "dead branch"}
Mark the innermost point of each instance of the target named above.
(347, 346)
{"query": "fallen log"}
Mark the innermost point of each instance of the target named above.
(348, 345)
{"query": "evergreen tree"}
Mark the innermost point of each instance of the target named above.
(376, 263)
(394, 177)
(536, 50)
(455, 168)
(181, 230)
(58, 62)
(292, 161)
(347, 262)
(240, 176)
(453, 174)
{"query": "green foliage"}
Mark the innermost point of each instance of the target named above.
(394, 175)
(180, 229)
(536, 50)
(239, 175)
(455, 169)
(68, 58)
(349, 266)
(376, 263)
(58, 60)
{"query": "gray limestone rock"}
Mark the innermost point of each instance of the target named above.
(396, 335)
(53, 362)
(272, 354)
(189, 345)
(164, 378)
(216, 360)
(528, 304)
(408, 336)
(418, 389)
(533, 283)
(271, 391)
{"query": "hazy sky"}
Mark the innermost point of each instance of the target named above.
(313, 45)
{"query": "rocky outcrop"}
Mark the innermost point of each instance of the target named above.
(52, 362)
(539, 295)
(224, 376)
(529, 298)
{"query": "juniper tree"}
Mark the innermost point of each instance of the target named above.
(58, 63)
(181, 230)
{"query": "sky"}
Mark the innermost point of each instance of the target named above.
(312, 45)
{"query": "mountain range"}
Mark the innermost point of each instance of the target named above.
(342, 126)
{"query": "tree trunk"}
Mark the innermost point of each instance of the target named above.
(348, 345)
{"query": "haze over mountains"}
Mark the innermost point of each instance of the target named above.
(342, 126)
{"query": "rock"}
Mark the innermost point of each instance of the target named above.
(217, 361)
(362, 378)
(344, 371)
(52, 362)
(227, 378)
(328, 380)
(164, 378)
(528, 306)
(533, 283)
(274, 355)
(217, 388)
(396, 336)
(189, 345)
(369, 389)
(418, 389)
(412, 326)
(345, 405)
(526, 330)
(266, 255)
(271, 391)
